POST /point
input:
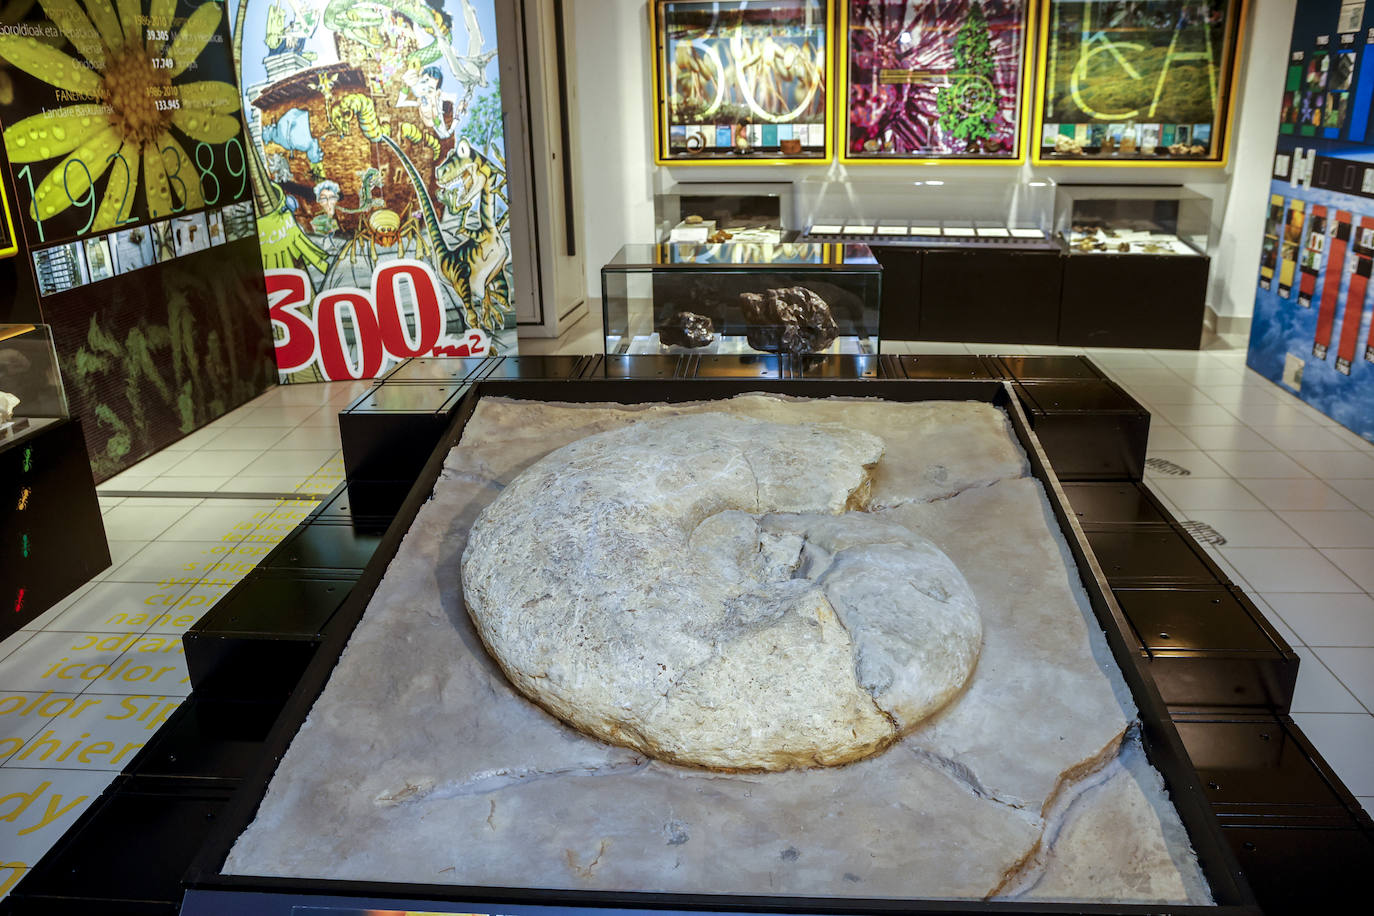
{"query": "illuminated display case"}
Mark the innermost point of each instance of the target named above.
(31, 393)
(1144, 83)
(703, 212)
(793, 298)
(1137, 267)
(1140, 220)
(928, 212)
(929, 81)
(742, 81)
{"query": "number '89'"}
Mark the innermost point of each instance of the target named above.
(199, 172)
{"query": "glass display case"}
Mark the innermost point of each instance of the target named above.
(31, 393)
(1134, 220)
(713, 212)
(929, 81)
(741, 81)
(1142, 83)
(792, 298)
(928, 212)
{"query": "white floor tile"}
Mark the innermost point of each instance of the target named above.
(59, 661)
(1355, 669)
(1337, 465)
(1287, 569)
(120, 551)
(1327, 620)
(328, 416)
(120, 607)
(277, 416)
(1299, 494)
(1289, 635)
(1249, 527)
(1243, 464)
(24, 713)
(286, 461)
(1164, 437)
(173, 561)
(315, 394)
(195, 440)
(56, 799)
(247, 438)
(132, 521)
(1231, 438)
(1303, 438)
(1357, 563)
(1269, 415)
(172, 483)
(1160, 376)
(1127, 359)
(1336, 528)
(108, 502)
(1359, 492)
(1318, 690)
(1193, 496)
(214, 463)
(1195, 414)
(277, 483)
(103, 732)
(1240, 394)
(1193, 461)
(1347, 743)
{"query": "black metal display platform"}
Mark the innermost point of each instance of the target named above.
(1221, 675)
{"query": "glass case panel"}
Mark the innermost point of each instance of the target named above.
(1140, 219)
(741, 81)
(791, 298)
(705, 212)
(928, 212)
(928, 80)
(31, 393)
(1146, 83)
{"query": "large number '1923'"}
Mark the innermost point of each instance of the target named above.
(402, 316)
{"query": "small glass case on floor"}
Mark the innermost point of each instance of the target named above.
(794, 298)
(1125, 219)
(31, 393)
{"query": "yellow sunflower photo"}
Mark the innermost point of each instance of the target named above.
(123, 67)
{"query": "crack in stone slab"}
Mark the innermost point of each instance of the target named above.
(488, 783)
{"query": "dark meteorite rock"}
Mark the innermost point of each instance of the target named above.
(687, 329)
(788, 320)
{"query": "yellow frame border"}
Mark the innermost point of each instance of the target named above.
(13, 248)
(660, 101)
(1031, 30)
(1237, 37)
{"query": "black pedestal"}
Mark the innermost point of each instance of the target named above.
(1133, 300)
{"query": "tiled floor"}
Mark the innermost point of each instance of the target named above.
(85, 685)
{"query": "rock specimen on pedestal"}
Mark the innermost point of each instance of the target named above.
(687, 329)
(792, 319)
(695, 588)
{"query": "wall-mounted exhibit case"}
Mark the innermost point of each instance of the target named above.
(1145, 83)
(711, 212)
(929, 82)
(1137, 265)
(51, 537)
(742, 82)
(794, 298)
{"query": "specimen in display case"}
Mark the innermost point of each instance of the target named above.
(741, 81)
(1119, 219)
(1030, 784)
(794, 297)
(932, 80)
(1147, 82)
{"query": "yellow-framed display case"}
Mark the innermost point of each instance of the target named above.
(1148, 84)
(705, 114)
(956, 53)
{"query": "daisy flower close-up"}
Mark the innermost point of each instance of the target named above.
(134, 106)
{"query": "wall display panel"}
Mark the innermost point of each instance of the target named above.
(1136, 83)
(121, 121)
(739, 81)
(378, 162)
(937, 81)
(1311, 331)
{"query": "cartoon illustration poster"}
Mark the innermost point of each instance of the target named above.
(378, 160)
(1311, 331)
(935, 79)
(1136, 79)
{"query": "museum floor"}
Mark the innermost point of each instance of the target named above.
(1280, 496)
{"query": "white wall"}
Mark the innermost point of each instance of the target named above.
(1235, 265)
(620, 179)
